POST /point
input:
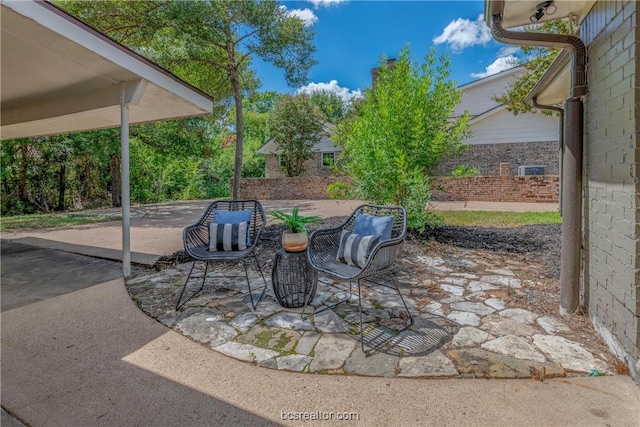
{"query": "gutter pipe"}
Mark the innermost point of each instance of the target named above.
(571, 243)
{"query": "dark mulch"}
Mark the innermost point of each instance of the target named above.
(539, 243)
(535, 241)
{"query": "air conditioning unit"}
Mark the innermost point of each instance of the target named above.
(532, 170)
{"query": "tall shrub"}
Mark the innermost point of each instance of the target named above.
(401, 131)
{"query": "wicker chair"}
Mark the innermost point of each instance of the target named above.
(323, 250)
(196, 243)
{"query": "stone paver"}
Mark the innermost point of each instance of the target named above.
(512, 345)
(377, 365)
(571, 355)
(465, 324)
(434, 364)
(331, 352)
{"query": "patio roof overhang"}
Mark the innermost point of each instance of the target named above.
(60, 75)
(517, 13)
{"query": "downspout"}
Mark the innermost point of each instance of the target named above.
(571, 243)
(560, 111)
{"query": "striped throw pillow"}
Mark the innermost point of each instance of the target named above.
(355, 249)
(228, 237)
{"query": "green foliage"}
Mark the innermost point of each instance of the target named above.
(535, 63)
(465, 170)
(400, 132)
(260, 102)
(50, 173)
(209, 44)
(330, 104)
(295, 222)
(339, 190)
(295, 123)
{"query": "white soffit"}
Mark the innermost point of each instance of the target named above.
(517, 13)
(59, 75)
(554, 86)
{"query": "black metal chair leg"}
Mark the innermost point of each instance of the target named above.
(246, 273)
(178, 305)
(380, 344)
(304, 308)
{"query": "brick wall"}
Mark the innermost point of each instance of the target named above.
(314, 167)
(531, 189)
(487, 157)
(293, 188)
(611, 219)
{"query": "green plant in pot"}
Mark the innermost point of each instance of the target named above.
(295, 238)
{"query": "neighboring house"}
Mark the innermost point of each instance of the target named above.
(601, 174)
(528, 143)
(325, 156)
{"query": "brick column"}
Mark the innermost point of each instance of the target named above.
(504, 169)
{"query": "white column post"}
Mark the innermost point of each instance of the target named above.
(124, 164)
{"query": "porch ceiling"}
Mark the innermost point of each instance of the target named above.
(60, 75)
(517, 13)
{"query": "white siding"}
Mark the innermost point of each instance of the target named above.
(477, 96)
(504, 127)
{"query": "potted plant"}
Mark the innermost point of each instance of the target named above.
(295, 238)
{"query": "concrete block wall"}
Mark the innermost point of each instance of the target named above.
(488, 157)
(611, 185)
(527, 189)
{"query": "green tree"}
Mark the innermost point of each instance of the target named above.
(210, 44)
(536, 61)
(330, 103)
(295, 124)
(401, 131)
(260, 102)
(264, 29)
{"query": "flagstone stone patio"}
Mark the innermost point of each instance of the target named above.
(476, 314)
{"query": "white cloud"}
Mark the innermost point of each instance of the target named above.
(508, 51)
(332, 86)
(306, 15)
(462, 33)
(320, 3)
(500, 64)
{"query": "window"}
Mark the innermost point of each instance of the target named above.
(532, 170)
(328, 160)
(281, 161)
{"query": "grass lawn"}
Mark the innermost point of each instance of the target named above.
(498, 219)
(460, 218)
(52, 220)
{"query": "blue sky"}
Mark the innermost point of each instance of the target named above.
(350, 36)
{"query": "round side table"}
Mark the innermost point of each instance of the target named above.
(294, 281)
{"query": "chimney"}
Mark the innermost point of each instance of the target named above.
(391, 62)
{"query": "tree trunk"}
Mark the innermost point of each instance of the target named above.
(62, 187)
(237, 172)
(23, 175)
(116, 181)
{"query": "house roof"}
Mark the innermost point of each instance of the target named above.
(325, 144)
(502, 74)
(60, 75)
